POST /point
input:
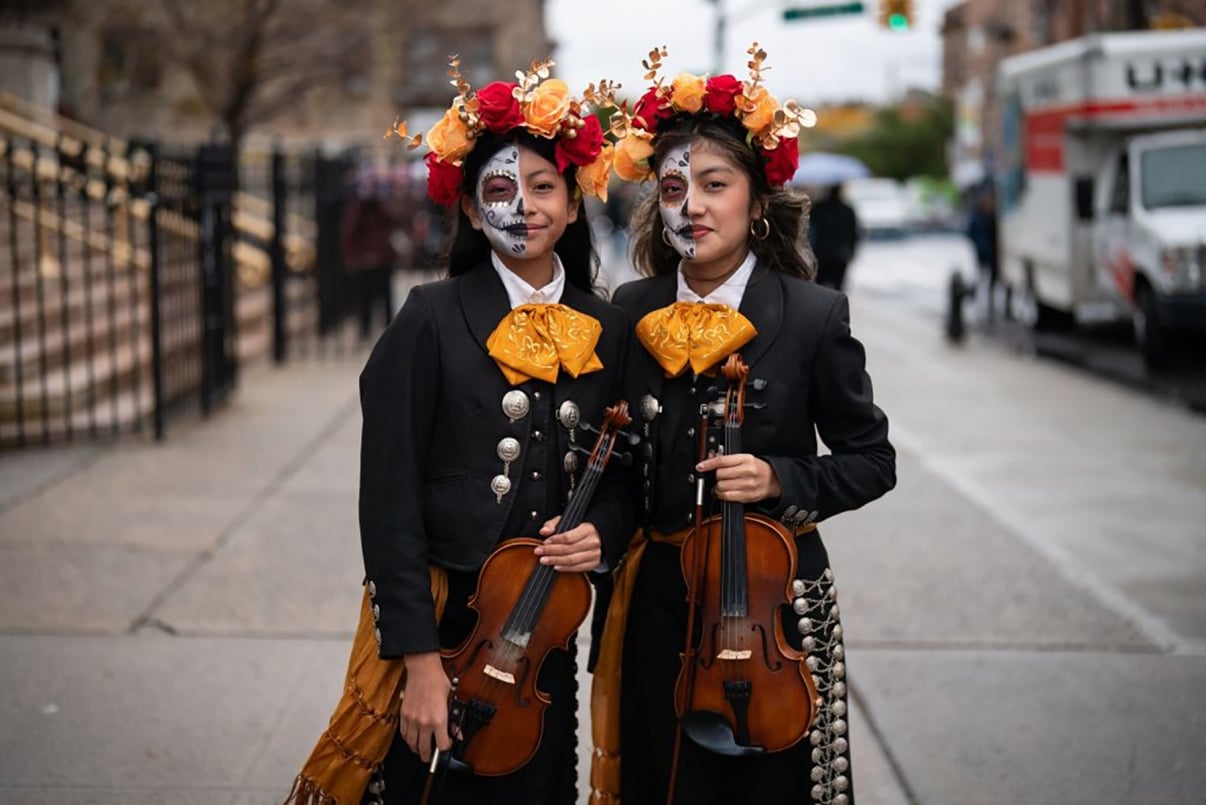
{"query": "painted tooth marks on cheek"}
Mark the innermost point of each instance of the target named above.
(503, 213)
(674, 216)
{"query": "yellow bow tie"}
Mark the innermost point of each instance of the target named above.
(535, 341)
(693, 333)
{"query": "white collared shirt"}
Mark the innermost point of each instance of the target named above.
(518, 290)
(730, 292)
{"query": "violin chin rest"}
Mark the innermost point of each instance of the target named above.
(712, 732)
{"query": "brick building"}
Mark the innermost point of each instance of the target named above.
(116, 63)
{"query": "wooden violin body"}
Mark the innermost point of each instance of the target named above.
(743, 689)
(496, 667)
(751, 691)
(525, 610)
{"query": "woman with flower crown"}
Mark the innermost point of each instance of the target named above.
(472, 400)
(720, 241)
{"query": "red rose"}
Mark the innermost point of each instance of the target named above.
(721, 93)
(499, 109)
(781, 163)
(584, 148)
(650, 110)
(443, 181)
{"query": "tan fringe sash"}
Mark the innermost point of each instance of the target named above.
(605, 688)
(365, 720)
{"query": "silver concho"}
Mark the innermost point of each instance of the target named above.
(570, 462)
(508, 449)
(650, 407)
(797, 587)
(500, 485)
(568, 414)
(515, 405)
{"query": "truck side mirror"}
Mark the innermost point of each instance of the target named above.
(1083, 190)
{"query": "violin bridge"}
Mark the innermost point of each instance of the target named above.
(502, 676)
(732, 654)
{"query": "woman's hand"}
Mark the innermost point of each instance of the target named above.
(576, 551)
(742, 477)
(423, 714)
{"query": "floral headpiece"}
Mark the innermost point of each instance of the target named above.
(771, 128)
(540, 105)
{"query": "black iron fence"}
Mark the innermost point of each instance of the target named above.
(135, 278)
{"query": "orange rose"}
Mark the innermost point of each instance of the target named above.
(687, 93)
(449, 138)
(592, 178)
(549, 105)
(759, 109)
(631, 159)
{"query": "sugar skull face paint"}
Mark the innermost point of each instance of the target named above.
(674, 189)
(500, 200)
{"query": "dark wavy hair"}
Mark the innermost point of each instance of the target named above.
(785, 249)
(469, 247)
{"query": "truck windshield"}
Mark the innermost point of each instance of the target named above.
(1175, 176)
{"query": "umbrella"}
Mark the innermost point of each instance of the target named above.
(821, 168)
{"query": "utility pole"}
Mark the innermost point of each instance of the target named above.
(718, 34)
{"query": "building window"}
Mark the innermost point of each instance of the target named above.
(131, 61)
(426, 62)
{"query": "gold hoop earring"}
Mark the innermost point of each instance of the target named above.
(765, 231)
(666, 238)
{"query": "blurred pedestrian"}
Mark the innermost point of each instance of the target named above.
(833, 232)
(367, 246)
(982, 231)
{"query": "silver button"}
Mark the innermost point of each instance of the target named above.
(515, 405)
(508, 449)
(570, 462)
(500, 485)
(372, 589)
(650, 407)
(690, 477)
(536, 476)
(536, 396)
(376, 612)
(377, 635)
(568, 414)
(534, 515)
(538, 435)
(690, 431)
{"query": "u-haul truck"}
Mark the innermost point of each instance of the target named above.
(1102, 182)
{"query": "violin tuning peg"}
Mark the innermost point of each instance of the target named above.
(758, 384)
(633, 439)
(589, 428)
(578, 448)
(757, 406)
(624, 458)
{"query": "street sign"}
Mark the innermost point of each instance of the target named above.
(829, 10)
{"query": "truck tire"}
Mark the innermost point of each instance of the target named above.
(1151, 334)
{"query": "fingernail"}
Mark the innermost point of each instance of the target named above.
(540, 551)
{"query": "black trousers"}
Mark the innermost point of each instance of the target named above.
(374, 290)
(652, 641)
(550, 778)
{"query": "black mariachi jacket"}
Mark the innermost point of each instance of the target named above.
(432, 400)
(815, 382)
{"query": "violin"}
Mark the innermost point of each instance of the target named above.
(743, 689)
(525, 609)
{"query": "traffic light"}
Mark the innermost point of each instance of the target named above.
(896, 15)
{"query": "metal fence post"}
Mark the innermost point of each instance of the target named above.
(280, 267)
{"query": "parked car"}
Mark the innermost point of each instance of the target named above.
(880, 204)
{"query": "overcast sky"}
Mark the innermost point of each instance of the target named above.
(813, 61)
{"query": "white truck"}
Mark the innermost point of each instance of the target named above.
(1102, 183)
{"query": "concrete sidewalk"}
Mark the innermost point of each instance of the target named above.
(175, 618)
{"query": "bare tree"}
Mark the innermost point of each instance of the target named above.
(252, 59)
